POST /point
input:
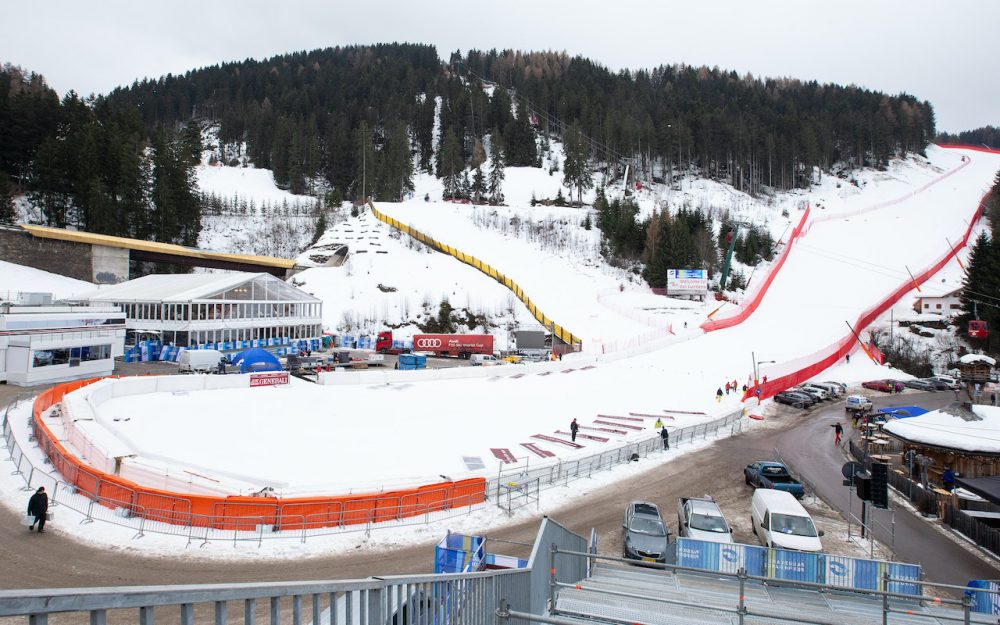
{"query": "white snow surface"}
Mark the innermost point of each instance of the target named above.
(415, 432)
(942, 429)
(22, 279)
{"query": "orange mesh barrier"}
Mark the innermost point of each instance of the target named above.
(235, 512)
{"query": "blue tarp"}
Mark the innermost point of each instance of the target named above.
(903, 412)
(255, 360)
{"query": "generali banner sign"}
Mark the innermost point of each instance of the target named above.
(269, 379)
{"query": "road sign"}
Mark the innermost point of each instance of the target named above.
(850, 469)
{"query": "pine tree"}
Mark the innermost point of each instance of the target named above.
(576, 168)
(452, 165)
(478, 189)
(365, 161)
(7, 213)
(497, 164)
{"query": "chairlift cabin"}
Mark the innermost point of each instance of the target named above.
(978, 329)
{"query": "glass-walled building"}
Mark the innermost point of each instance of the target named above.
(197, 309)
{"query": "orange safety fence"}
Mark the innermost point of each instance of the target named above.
(751, 305)
(240, 512)
(845, 344)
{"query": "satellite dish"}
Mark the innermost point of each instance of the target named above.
(850, 469)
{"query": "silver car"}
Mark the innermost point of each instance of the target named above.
(644, 534)
(702, 519)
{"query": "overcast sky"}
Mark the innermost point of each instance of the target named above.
(946, 51)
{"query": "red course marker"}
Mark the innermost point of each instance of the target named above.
(504, 455)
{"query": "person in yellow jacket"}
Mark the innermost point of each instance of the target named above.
(659, 424)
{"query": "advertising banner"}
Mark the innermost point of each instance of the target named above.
(269, 379)
(687, 282)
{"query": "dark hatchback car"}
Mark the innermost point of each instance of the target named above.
(644, 534)
(921, 385)
(939, 385)
(795, 400)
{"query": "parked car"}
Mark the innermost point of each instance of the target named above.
(780, 521)
(817, 389)
(815, 393)
(948, 381)
(808, 400)
(831, 389)
(790, 399)
(920, 385)
(484, 360)
(702, 519)
(644, 534)
(839, 385)
(826, 391)
(878, 385)
(937, 384)
(770, 474)
(858, 404)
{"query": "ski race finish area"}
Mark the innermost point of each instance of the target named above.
(182, 507)
(230, 453)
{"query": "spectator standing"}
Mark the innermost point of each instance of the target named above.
(665, 435)
(948, 479)
(38, 507)
(574, 427)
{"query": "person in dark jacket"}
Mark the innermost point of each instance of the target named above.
(665, 435)
(838, 431)
(38, 505)
(574, 427)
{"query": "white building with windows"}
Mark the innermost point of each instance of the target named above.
(947, 303)
(188, 310)
(42, 344)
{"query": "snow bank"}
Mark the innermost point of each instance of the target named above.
(21, 279)
(943, 429)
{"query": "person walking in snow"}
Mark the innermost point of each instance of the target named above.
(658, 424)
(574, 427)
(838, 431)
(848, 357)
(665, 435)
(727, 388)
(718, 395)
(38, 506)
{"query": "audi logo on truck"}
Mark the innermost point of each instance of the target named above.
(428, 343)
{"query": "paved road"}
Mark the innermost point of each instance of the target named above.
(917, 541)
(31, 561)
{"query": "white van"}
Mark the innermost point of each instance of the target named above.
(858, 404)
(779, 520)
(484, 360)
(199, 360)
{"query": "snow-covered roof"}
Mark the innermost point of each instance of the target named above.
(977, 431)
(188, 287)
(968, 359)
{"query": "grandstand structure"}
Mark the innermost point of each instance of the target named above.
(565, 583)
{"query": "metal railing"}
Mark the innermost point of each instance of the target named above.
(563, 472)
(893, 602)
(443, 599)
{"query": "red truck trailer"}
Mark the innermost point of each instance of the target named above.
(460, 345)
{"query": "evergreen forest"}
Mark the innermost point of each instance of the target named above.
(358, 121)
